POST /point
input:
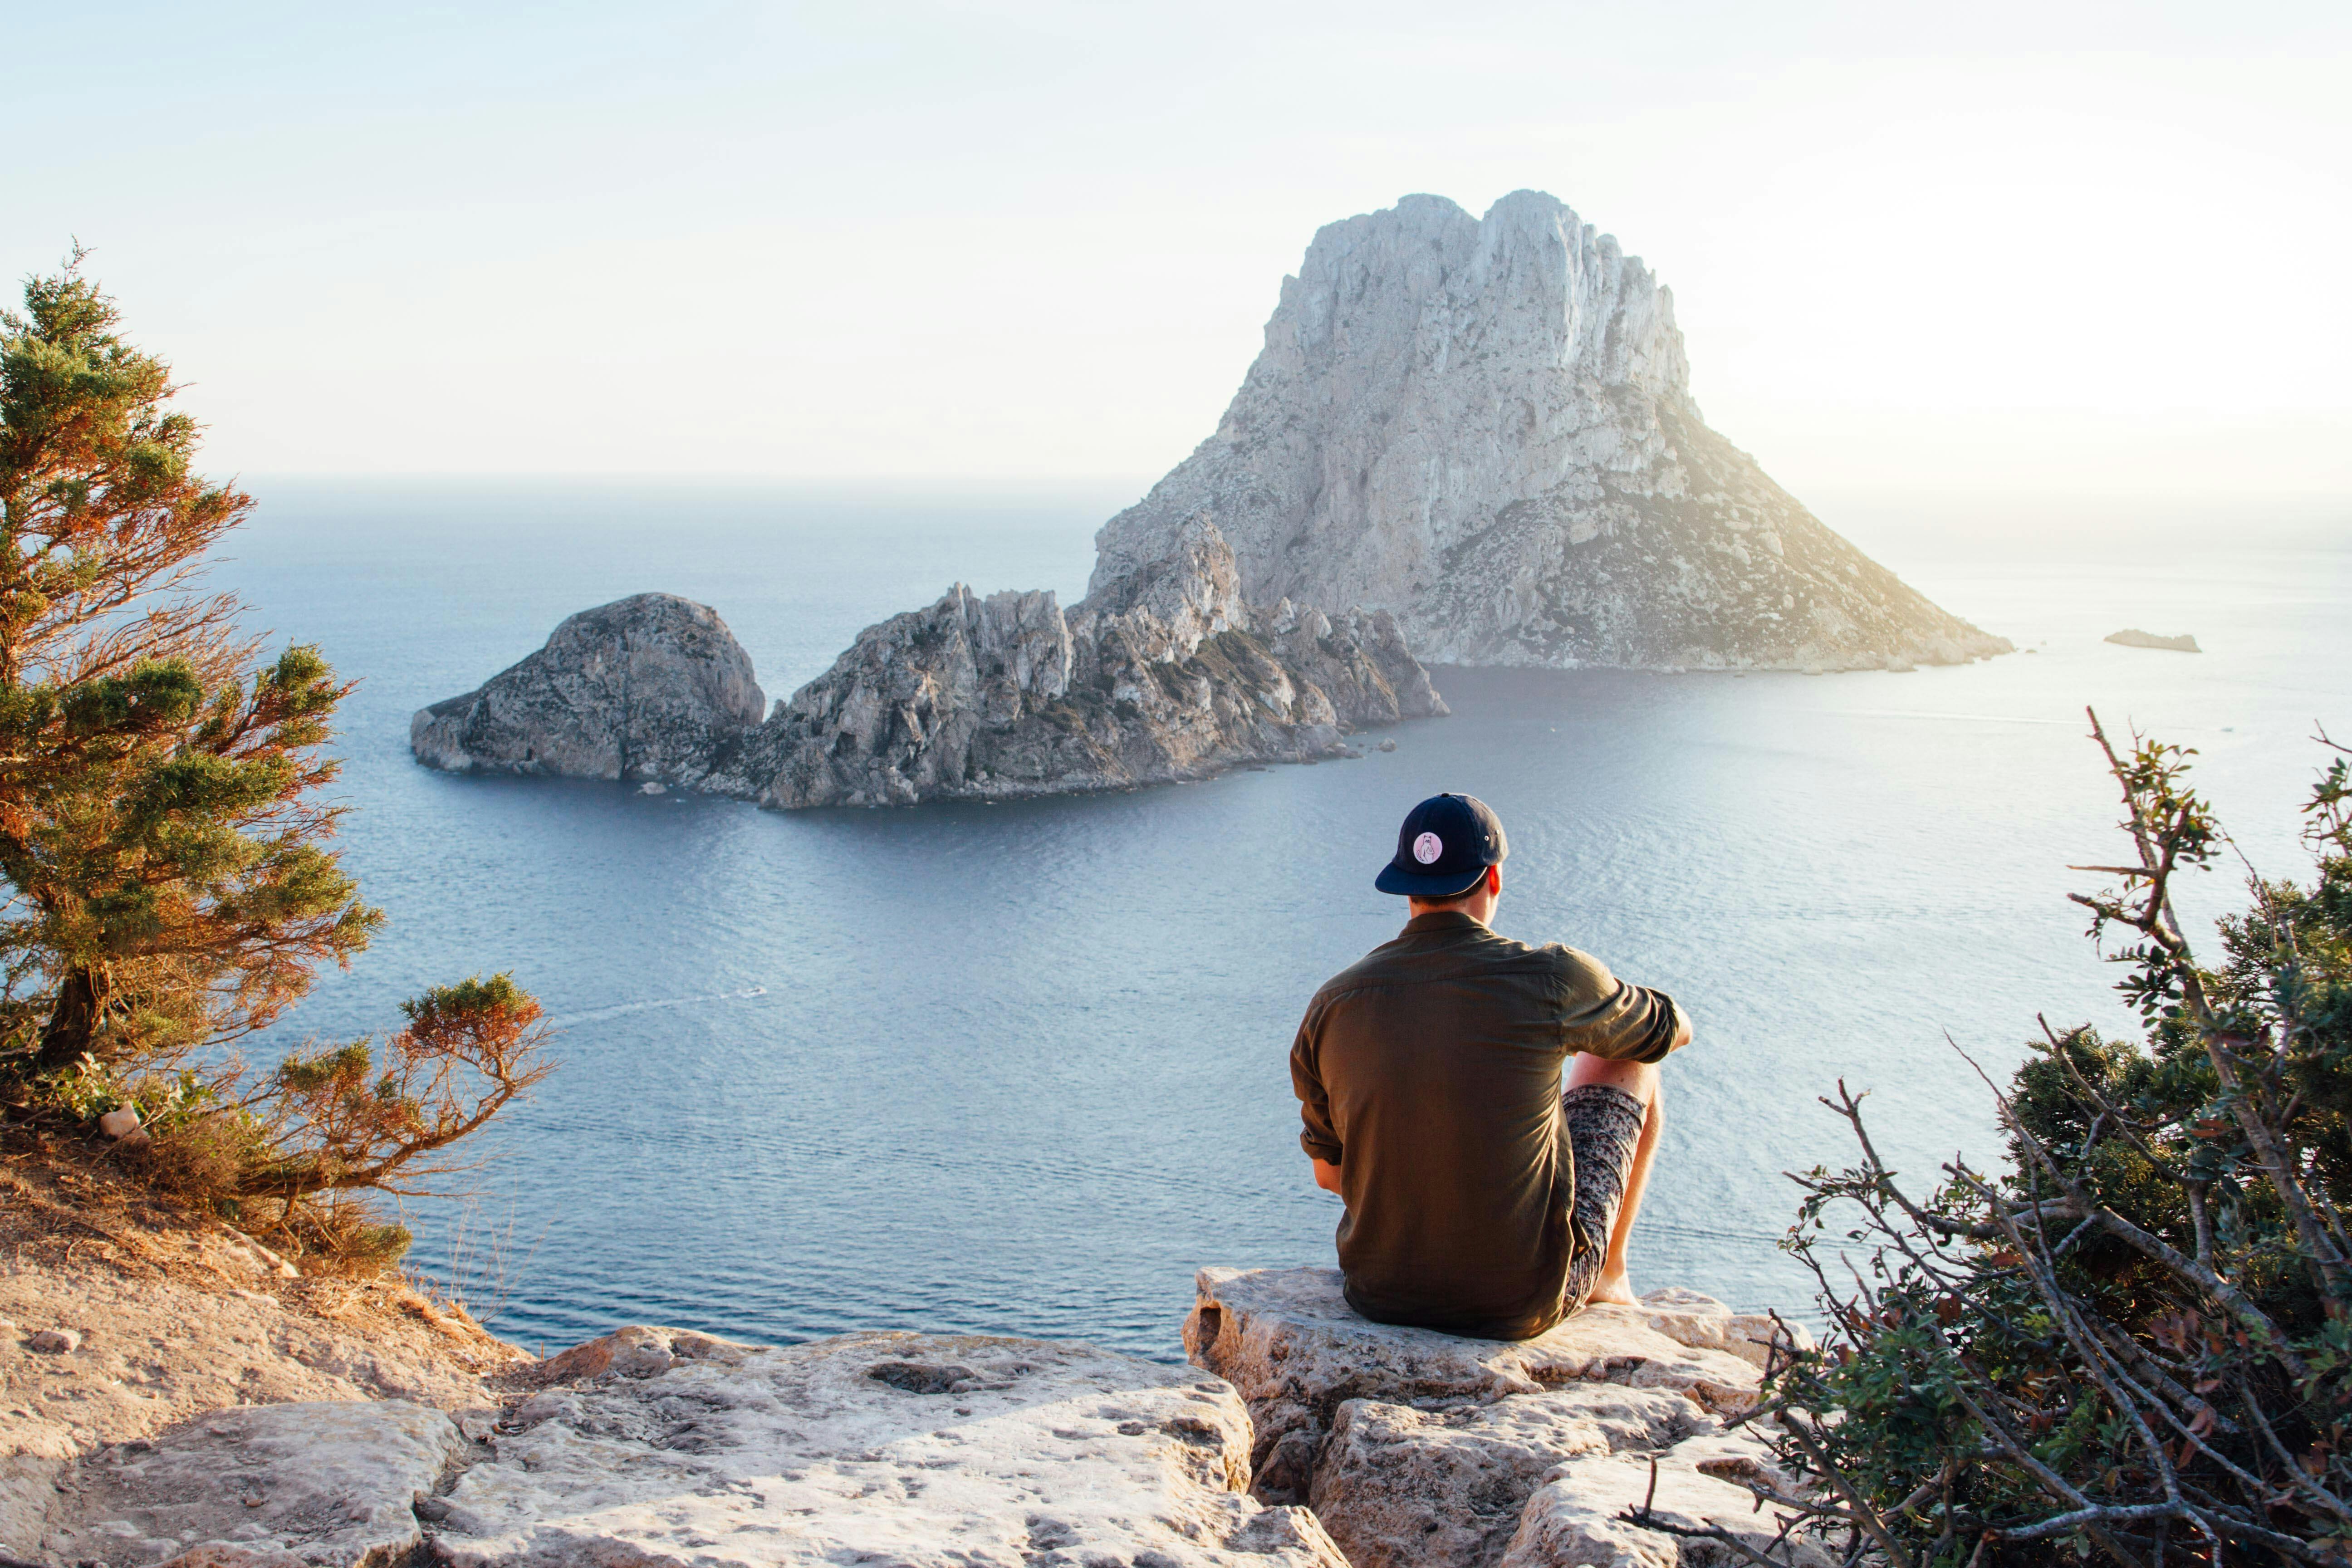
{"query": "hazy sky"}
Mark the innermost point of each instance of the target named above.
(2050, 245)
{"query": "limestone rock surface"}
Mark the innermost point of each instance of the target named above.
(652, 687)
(1401, 1487)
(2132, 637)
(1164, 674)
(1288, 1340)
(1485, 427)
(171, 1321)
(1576, 1516)
(333, 1484)
(884, 1448)
(1419, 1450)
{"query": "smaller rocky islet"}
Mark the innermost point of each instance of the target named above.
(2132, 637)
(1164, 675)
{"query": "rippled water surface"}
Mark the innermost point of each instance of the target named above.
(1024, 1068)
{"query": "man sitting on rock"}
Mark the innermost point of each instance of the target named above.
(1482, 1199)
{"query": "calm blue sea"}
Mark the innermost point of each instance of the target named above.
(1023, 1069)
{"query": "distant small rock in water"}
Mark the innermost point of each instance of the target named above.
(2132, 637)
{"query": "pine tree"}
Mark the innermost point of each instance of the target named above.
(160, 830)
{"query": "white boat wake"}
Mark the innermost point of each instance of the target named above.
(597, 1015)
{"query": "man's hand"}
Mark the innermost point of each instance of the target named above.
(1326, 1176)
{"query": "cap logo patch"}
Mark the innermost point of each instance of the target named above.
(1427, 848)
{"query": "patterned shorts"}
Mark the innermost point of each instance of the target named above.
(1604, 1128)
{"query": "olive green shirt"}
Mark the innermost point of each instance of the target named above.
(1430, 1073)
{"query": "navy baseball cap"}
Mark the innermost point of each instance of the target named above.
(1443, 848)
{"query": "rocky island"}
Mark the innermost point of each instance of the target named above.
(1163, 673)
(1466, 440)
(1485, 427)
(652, 687)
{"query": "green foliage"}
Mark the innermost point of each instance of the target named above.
(2137, 1342)
(160, 828)
(161, 836)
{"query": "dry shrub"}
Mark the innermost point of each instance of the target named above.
(2135, 1343)
(292, 1158)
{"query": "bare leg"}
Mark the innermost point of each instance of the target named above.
(1640, 1080)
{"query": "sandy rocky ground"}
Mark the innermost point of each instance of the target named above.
(171, 1393)
(121, 1317)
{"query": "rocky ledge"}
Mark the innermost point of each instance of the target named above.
(1308, 1438)
(1417, 1449)
(1163, 674)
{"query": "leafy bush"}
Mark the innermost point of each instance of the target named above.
(2135, 1343)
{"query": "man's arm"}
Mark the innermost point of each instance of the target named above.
(1618, 1022)
(1316, 1134)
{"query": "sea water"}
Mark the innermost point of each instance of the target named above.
(1023, 1069)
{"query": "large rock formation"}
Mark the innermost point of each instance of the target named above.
(1485, 427)
(658, 1446)
(652, 687)
(1163, 674)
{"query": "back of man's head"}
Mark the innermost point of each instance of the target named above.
(1447, 853)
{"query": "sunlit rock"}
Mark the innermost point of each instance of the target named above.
(652, 687)
(331, 1484)
(1401, 1487)
(1486, 428)
(1165, 674)
(1580, 1514)
(1419, 1450)
(1287, 1339)
(884, 1448)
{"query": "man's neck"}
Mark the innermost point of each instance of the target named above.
(1479, 910)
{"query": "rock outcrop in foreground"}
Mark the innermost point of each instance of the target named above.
(138, 1343)
(1162, 674)
(1418, 1449)
(657, 1446)
(1309, 1438)
(1486, 428)
(652, 687)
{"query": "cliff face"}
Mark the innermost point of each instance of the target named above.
(1486, 428)
(652, 687)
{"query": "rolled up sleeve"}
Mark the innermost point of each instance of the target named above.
(1608, 1018)
(1318, 1136)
